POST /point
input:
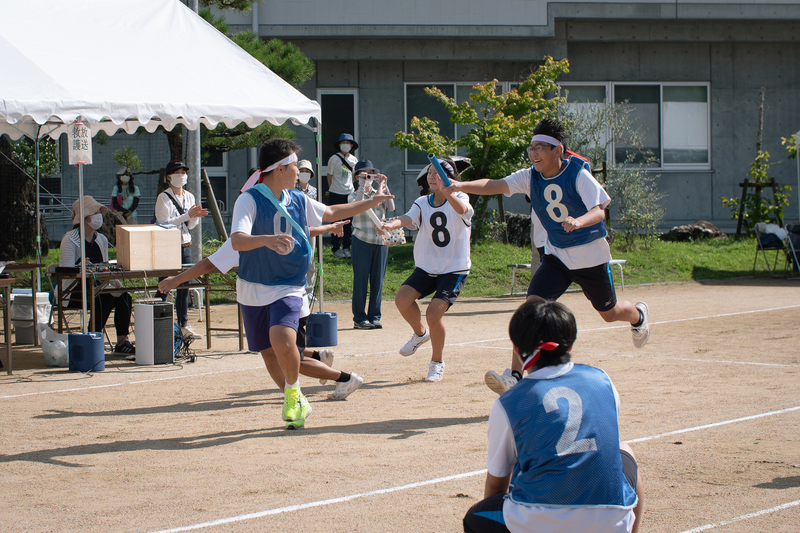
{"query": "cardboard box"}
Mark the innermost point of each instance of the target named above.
(148, 247)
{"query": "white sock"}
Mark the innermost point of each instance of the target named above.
(295, 385)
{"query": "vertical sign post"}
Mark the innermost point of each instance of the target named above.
(80, 153)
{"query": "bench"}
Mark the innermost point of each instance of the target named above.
(514, 267)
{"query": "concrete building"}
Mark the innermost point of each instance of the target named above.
(692, 68)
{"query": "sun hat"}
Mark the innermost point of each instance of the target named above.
(305, 164)
(346, 137)
(122, 171)
(90, 207)
(172, 166)
(364, 164)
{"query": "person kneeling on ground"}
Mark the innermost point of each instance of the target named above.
(555, 461)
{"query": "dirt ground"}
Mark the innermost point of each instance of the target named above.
(711, 407)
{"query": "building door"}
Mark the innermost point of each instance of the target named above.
(339, 115)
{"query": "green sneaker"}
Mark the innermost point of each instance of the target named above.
(305, 410)
(291, 404)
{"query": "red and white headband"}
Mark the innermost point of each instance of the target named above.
(547, 139)
(255, 176)
(547, 346)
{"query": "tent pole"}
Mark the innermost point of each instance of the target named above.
(82, 225)
(38, 223)
(318, 145)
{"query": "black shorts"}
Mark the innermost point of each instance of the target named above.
(301, 335)
(445, 287)
(553, 278)
(490, 519)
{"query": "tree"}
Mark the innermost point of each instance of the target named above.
(633, 190)
(502, 125)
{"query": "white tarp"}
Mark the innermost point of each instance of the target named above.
(130, 63)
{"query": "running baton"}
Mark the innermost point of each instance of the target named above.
(439, 169)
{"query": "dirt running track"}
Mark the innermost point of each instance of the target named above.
(201, 446)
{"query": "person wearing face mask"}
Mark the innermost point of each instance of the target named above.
(125, 196)
(96, 249)
(369, 253)
(177, 206)
(306, 175)
(340, 185)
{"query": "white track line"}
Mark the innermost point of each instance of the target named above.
(744, 517)
(341, 499)
(128, 383)
(301, 506)
(427, 347)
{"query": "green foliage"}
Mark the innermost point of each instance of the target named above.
(49, 159)
(239, 5)
(501, 128)
(757, 207)
(633, 190)
(127, 157)
(790, 145)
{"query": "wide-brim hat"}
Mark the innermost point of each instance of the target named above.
(172, 166)
(364, 165)
(90, 207)
(305, 164)
(122, 171)
(346, 137)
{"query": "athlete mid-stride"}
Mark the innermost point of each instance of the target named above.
(569, 205)
(441, 260)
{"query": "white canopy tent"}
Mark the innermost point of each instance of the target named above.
(127, 64)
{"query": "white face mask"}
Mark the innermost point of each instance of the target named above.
(305, 177)
(124, 179)
(177, 180)
(95, 221)
(345, 147)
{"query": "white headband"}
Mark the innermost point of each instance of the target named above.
(547, 139)
(289, 159)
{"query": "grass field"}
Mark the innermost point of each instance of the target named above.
(659, 262)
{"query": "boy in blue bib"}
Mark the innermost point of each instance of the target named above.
(270, 231)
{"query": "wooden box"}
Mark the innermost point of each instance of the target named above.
(148, 247)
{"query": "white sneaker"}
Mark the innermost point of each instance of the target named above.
(435, 372)
(642, 334)
(500, 383)
(326, 357)
(346, 388)
(189, 332)
(339, 253)
(347, 254)
(416, 341)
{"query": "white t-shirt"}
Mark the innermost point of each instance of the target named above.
(592, 193)
(166, 212)
(519, 518)
(341, 176)
(244, 213)
(442, 243)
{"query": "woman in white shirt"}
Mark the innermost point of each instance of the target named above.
(177, 206)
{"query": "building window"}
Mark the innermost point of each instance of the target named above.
(419, 104)
(673, 119)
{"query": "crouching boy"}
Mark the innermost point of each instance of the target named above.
(555, 460)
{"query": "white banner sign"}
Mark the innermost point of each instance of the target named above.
(80, 144)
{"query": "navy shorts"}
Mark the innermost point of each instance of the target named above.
(445, 287)
(259, 319)
(553, 278)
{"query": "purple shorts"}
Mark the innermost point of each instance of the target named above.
(259, 319)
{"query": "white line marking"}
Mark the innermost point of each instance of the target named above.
(341, 499)
(301, 506)
(428, 347)
(715, 424)
(128, 383)
(744, 517)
